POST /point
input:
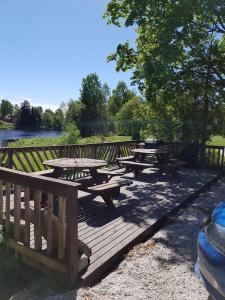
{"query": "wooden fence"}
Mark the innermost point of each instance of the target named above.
(31, 229)
(208, 156)
(30, 159)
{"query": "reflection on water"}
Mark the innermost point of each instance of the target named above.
(18, 134)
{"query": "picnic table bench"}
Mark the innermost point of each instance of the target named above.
(106, 174)
(124, 158)
(108, 190)
(136, 167)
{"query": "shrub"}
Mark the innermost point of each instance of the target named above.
(71, 134)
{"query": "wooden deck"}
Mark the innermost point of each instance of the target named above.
(141, 209)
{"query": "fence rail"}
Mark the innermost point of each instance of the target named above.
(30, 159)
(208, 156)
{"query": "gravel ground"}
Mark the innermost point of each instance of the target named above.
(161, 268)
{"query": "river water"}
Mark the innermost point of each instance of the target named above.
(19, 134)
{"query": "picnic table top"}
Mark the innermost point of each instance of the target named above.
(80, 163)
(149, 151)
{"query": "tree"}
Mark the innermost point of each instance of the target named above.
(106, 92)
(48, 119)
(36, 116)
(120, 95)
(133, 117)
(71, 134)
(180, 50)
(74, 112)
(5, 108)
(93, 99)
(23, 115)
(58, 121)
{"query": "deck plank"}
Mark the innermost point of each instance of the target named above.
(142, 209)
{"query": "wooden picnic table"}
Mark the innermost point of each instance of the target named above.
(137, 164)
(60, 164)
(107, 190)
(140, 153)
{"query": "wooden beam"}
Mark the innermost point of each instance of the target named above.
(17, 211)
(36, 182)
(50, 224)
(38, 257)
(27, 216)
(37, 221)
(72, 236)
(61, 228)
(1, 202)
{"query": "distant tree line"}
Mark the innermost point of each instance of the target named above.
(98, 111)
(120, 111)
(31, 117)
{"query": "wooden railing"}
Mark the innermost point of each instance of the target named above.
(208, 156)
(43, 239)
(30, 159)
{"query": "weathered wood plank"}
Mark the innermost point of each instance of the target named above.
(20, 161)
(7, 205)
(17, 211)
(35, 162)
(28, 161)
(62, 228)
(35, 182)
(37, 220)
(40, 258)
(1, 202)
(50, 224)
(27, 216)
(72, 235)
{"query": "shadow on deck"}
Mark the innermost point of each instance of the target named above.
(140, 211)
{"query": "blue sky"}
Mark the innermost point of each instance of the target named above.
(48, 46)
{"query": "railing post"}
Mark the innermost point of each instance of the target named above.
(95, 151)
(119, 150)
(60, 152)
(202, 154)
(10, 159)
(72, 235)
(222, 159)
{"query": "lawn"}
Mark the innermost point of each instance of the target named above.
(57, 141)
(217, 140)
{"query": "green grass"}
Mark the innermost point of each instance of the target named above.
(99, 139)
(57, 141)
(217, 141)
(35, 142)
(6, 125)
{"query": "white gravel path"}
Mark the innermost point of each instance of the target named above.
(160, 269)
